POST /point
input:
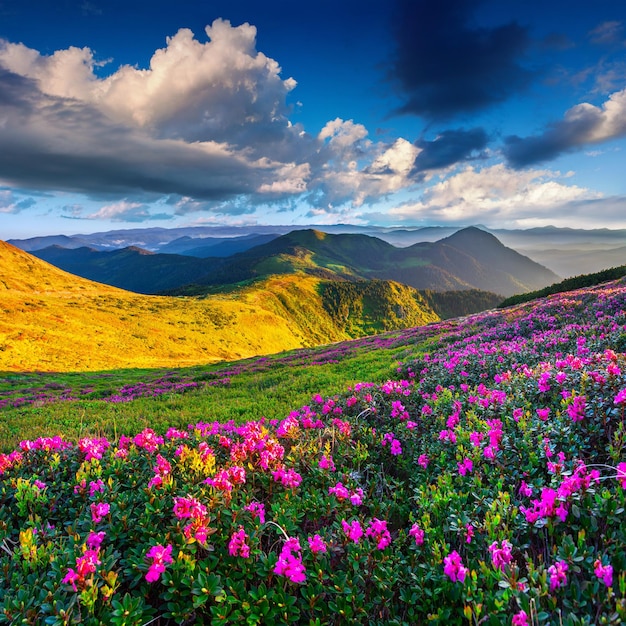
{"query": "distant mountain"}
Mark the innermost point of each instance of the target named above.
(215, 246)
(468, 259)
(181, 240)
(133, 269)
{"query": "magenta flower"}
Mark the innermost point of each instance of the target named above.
(326, 463)
(453, 567)
(395, 448)
(543, 414)
(417, 533)
(98, 511)
(258, 510)
(352, 530)
(316, 544)
(71, 578)
(94, 540)
(469, 533)
(289, 564)
(238, 545)
(558, 575)
(520, 619)
(465, 467)
(500, 556)
(189, 507)
(423, 461)
(604, 572)
(161, 556)
(377, 530)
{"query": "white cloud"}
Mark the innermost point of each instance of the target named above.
(206, 120)
(126, 211)
(496, 194)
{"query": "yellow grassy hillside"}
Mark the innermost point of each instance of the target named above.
(54, 321)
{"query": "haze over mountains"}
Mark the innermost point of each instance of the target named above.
(468, 259)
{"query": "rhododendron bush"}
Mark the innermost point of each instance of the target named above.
(484, 484)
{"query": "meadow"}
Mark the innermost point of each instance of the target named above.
(465, 472)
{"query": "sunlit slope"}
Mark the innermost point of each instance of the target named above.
(54, 321)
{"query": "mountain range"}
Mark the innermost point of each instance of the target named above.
(566, 251)
(468, 259)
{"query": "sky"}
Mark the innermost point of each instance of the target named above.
(125, 114)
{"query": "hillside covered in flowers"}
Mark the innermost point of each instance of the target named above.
(484, 484)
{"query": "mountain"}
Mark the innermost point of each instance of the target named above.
(215, 246)
(133, 269)
(468, 259)
(53, 320)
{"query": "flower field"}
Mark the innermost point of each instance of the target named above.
(484, 483)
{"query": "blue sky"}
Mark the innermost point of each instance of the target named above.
(404, 112)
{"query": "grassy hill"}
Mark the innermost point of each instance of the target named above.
(52, 320)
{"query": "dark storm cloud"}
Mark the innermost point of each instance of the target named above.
(450, 147)
(444, 66)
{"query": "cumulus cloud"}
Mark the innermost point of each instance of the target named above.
(344, 175)
(207, 120)
(445, 66)
(495, 194)
(582, 125)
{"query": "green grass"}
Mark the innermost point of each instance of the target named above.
(272, 392)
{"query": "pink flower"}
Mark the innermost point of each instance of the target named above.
(289, 478)
(417, 533)
(289, 564)
(520, 619)
(316, 544)
(395, 448)
(95, 486)
(238, 545)
(465, 466)
(161, 556)
(258, 510)
(501, 556)
(469, 533)
(453, 567)
(71, 578)
(98, 511)
(525, 489)
(604, 572)
(476, 438)
(377, 530)
(189, 508)
(352, 530)
(423, 461)
(326, 463)
(94, 540)
(543, 414)
(558, 575)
